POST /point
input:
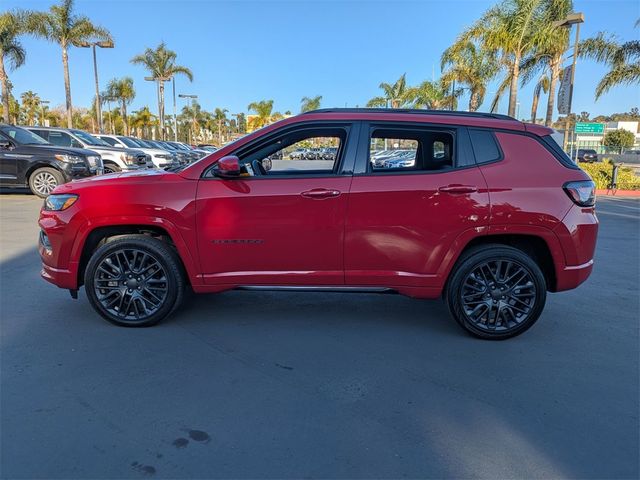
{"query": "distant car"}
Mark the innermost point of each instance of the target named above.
(587, 155)
(208, 147)
(114, 159)
(182, 156)
(27, 159)
(298, 154)
(161, 158)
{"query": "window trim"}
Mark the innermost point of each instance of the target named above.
(343, 168)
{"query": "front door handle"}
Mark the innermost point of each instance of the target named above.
(458, 189)
(320, 193)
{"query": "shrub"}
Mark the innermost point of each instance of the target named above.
(600, 172)
(619, 138)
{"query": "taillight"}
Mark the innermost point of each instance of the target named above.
(583, 193)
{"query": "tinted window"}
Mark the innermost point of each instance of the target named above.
(89, 139)
(60, 138)
(128, 142)
(410, 149)
(22, 136)
(108, 140)
(485, 146)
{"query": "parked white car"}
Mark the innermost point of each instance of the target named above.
(160, 158)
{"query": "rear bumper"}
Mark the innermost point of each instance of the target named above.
(572, 276)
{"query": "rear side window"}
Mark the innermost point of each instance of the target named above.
(485, 146)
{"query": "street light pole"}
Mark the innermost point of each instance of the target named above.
(93, 46)
(571, 19)
(193, 98)
(175, 114)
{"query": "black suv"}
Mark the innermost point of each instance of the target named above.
(29, 160)
(587, 155)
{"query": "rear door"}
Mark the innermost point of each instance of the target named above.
(283, 225)
(420, 195)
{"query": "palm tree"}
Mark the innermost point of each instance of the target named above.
(142, 121)
(220, 116)
(433, 95)
(510, 30)
(30, 105)
(470, 66)
(263, 110)
(12, 54)
(161, 63)
(395, 96)
(310, 103)
(122, 90)
(62, 26)
(623, 59)
(546, 59)
(543, 85)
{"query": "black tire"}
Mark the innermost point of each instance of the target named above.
(496, 292)
(133, 273)
(43, 180)
(111, 168)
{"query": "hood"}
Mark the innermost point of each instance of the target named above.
(62, 150)
(109, 148)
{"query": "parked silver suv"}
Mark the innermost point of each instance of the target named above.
(160, 158)
(114, 159)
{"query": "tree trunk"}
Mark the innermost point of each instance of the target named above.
(474, 101)
(161, 111)
(67, 86)
(124, 117)
(513, 88)
(555, 74)
(6, 104)
(534, 106)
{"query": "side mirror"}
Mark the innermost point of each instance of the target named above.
(5, 144)
(228, 167)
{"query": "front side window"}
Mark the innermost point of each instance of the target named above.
(393, 150)
(307, 151)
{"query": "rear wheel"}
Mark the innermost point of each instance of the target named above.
(43, 180)
(134, 281)
(496, 292)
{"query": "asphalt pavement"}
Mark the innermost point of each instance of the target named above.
(318, 385)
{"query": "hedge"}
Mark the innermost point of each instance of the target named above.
(600, 172)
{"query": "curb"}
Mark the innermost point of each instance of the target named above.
(618, 193)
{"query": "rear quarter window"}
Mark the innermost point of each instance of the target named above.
(485, 146)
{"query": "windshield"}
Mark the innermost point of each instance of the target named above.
(89, 139)
(22, 136)
(143, 143)
(129, 142)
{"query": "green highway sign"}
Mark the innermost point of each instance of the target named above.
(585, 127)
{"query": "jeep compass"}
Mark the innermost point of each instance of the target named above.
(483, 211)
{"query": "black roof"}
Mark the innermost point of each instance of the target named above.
(456, 113)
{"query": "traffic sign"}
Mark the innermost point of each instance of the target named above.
(586, 127)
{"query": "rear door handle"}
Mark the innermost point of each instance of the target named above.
(458, 189)
(320, 193)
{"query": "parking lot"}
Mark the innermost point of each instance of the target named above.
(259, 384)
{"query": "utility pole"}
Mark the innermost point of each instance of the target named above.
(93, 45)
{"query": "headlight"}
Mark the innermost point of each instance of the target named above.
(59, 202)
(128, 158)
(68, 158)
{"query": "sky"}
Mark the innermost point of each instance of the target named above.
(243, 51)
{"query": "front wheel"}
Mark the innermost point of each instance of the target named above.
(43, 180)
(496, 292)
(134, 281)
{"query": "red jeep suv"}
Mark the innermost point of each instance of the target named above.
(480, 209)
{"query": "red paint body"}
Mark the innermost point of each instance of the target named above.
(404, 232)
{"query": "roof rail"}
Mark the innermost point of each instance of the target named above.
(414, 111)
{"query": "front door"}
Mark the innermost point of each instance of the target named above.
(282, 221)
(8, 162)
(416, 191)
